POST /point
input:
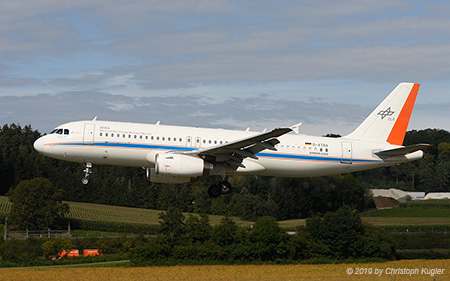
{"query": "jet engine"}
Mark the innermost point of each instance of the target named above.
(179, 165)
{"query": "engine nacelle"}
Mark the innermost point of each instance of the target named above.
(179, 165)
(153, 177)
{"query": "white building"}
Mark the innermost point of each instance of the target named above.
(437, 195)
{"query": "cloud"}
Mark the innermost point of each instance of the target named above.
(150, 60)
(45, 111)
(183, 44)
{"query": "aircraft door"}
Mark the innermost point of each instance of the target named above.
(347, 152)
(88, 135)
(189, 142)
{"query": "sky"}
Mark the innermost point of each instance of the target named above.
(222, 63)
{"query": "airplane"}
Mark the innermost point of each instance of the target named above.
(175, 154)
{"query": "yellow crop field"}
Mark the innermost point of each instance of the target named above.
(396, 270)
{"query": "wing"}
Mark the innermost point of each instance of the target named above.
(234, 152)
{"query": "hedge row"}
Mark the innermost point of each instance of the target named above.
(421, 241)
(427, 255)
(415, 228)
(137, 228)
(427, 204)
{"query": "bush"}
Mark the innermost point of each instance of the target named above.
(113, 226)
(342, 235)
(427, 255)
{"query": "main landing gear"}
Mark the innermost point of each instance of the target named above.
(215, 190)
(87, 171)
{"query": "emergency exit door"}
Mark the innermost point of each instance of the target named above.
(88, 135)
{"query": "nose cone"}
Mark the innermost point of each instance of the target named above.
(39, 145)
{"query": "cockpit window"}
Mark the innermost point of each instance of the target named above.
(60, 131)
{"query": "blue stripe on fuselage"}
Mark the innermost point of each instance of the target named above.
(183, 148)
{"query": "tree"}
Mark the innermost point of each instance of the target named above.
(36, 204)
(269, 241)
(225, 233)
(342, 235)
(337, 234)
(172, 224)
(198, 230)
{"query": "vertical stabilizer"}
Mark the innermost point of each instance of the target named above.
(389, 121)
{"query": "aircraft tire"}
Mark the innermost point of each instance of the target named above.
(225, 186)
(84, 181)
(214, 191)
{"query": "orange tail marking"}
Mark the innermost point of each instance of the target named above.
(398, 132)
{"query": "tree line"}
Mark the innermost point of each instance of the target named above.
(253, 197)
(337, 236)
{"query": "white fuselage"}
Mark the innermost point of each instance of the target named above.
(134, 144)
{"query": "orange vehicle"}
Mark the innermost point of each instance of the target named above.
(91, 252)
(69, 254)
(76, 253)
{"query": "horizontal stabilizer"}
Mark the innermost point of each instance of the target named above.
(402, 150)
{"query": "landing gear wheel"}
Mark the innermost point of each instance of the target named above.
(87, 171)
(214, 191)
(84, 181)
(225, 186)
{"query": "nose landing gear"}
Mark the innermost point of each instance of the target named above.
(87, 171)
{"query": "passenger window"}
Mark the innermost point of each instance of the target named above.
(101, 134)
(140, 137)
(66, 131)
(152, 137)
(181, 139)
(112, 134)
(106, 134)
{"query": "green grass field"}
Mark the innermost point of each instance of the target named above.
(98, 212)
(418, 213)
(409, 213)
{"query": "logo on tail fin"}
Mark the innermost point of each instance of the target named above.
(385, 113)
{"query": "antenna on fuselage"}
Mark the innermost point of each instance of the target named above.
(95, 118)
(157, 123)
